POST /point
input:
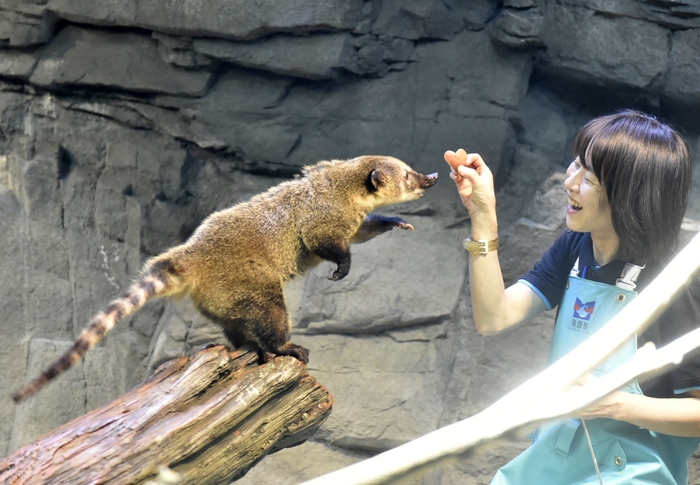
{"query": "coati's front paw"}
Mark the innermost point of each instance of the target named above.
(342, 270)
(338, 275)
(398, 222)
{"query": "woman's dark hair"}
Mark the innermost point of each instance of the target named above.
(645, 167)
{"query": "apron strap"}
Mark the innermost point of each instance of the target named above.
(628, 278)
(566, 437)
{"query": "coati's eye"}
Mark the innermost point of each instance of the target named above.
(406, 174)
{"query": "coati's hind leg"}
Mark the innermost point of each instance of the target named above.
(260, 320)
(234, 336)
(271, 331)
(272, 325)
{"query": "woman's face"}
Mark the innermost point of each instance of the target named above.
(588, 209)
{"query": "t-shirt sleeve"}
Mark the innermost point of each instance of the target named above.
(681, 317)
(549, 275)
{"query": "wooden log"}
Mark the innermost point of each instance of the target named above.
(209, 418)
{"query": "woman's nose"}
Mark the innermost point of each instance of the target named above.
(573, 180)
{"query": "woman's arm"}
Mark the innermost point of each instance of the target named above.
(495, 308)
(672, 416)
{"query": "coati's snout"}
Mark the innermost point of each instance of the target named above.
(417, 183)
(428, 180)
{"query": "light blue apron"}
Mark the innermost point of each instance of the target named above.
(626, 454)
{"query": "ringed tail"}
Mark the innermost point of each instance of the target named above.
(159, 279)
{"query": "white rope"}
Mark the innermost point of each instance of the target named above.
(590, 448)
(545, 396)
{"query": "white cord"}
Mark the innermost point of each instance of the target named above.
(590, 447)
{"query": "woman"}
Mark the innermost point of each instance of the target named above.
(628, 188)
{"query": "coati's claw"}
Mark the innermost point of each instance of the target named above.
(293, 350)
(337, 275)
(300, 353)
(342, 270)
(398, 222)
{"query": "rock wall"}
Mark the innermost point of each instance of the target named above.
(123, 123)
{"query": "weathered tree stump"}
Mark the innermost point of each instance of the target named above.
(210, 418)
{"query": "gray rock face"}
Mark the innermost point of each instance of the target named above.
(25, 24)
(519, 23)
(123, 124)
(88, 58)
(595, 49)
(322, 56)
(669, 13)
(16, 65)
(315, 57)
(415, 19)
(237, 19)
(682, 86)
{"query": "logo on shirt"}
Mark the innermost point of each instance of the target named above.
(583, 310)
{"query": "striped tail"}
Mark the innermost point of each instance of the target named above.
(155, 283)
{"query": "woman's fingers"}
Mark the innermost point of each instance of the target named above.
(461, 158)
(455, 159)
(472, 177)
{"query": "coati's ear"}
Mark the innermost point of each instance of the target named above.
(375, 180)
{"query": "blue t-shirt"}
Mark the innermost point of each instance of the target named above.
(548, 280)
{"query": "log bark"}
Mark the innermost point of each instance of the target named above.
(210, 418)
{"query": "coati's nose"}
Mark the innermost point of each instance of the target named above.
(430, 180)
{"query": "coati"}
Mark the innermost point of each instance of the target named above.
(236, 262)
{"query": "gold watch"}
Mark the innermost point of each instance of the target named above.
(480, 247)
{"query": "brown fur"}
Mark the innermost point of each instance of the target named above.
(235, 264)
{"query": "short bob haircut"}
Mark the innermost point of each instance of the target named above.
(645, 168)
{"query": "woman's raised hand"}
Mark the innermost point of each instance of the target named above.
(474, 182)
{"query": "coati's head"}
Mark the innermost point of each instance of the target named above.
(392, 181)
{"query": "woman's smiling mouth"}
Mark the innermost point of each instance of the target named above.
(573, 205)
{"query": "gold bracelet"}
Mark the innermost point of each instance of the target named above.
(480, 247)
